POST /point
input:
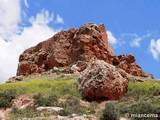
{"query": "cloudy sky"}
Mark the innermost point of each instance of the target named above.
(132, 26)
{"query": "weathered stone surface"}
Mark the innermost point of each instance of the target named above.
(75, 47)
(128, 64)
(54, 109)
(54, 52)
(21, 102)
(4, 113)
(102, 80)
(15, 79)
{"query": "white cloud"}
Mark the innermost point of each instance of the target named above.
(136, 42)
(17, 43)
(59, 19)
(10, 12)
(111, 39)
(42, 18)
(155, 48)
(26, 3)
(30, 36)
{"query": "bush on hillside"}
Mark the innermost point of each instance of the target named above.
(6, 97)
(141, 107)
(72, 101)
(72, 106)
(28, 112)
(41, 100)
(111, 112)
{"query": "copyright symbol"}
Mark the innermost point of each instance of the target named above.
(127, 115)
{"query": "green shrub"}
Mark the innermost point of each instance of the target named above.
(64, 112)
(110, 112)
(6, 97)
(72, 101)
(72, 106)
(41, 100)
(28, 112)
(140, 89)
(52, 100)
(142, 107)
(93, 106)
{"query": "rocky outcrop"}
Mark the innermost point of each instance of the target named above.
(66, 48)
(15, 79)
(74, 47)
(4, 113)
(102, 80)
(21, 102)
(128, 64)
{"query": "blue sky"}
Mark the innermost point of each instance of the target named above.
(132, 25)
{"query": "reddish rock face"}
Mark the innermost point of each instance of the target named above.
(127, 63)
(74, 47)
(54, 52)
(102, 80)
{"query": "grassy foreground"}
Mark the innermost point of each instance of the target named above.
(142, 97)
(61, 88)
(64, 87)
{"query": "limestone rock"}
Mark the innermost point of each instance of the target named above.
(102, 80)
(40, 109)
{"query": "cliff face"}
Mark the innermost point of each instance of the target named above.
(75, 47)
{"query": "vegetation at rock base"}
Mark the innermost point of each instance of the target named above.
(6, 97)
(62, 88)
(142, 97)
(50, 100)
(111, 112)
(142, 107)
(29, 112)
(139, 89)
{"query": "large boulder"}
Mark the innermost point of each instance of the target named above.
(102, 80)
